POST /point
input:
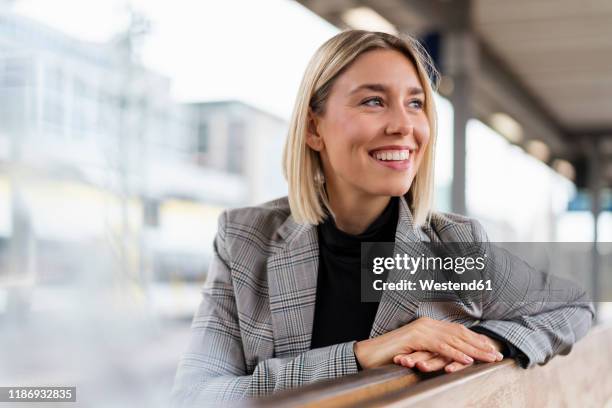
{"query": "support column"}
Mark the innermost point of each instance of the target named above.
(459, 65)
(595, 178)
(462, 113)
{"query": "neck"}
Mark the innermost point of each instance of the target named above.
(356, 211)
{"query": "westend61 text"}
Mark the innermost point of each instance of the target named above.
(430, 284)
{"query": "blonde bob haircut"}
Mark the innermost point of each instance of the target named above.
(308, 199)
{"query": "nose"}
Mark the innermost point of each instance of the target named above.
(400, 123)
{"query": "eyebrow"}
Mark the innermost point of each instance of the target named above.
(414, 90)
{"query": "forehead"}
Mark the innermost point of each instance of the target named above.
(380, 65)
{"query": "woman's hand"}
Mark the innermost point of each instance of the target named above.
(427, 361)
(450, 340)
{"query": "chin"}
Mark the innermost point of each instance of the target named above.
(399, 193)
(394, 192)
(398, 189)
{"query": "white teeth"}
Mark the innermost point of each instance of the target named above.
(392, 155)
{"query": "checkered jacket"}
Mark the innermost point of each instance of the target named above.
(251, 333)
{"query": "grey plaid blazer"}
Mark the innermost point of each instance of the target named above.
(251, 333)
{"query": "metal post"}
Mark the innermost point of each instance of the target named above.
(595, 190)
(460, 53)
(460, 100)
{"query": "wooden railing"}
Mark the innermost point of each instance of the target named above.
(582, 378)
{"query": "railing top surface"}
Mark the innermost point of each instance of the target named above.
(391, 383)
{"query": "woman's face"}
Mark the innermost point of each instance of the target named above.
(374, 131)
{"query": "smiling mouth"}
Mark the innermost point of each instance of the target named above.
(393, 160)
(391, 155)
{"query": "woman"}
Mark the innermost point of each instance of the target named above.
(281, 305)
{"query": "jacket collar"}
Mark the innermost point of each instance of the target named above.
(406, 230)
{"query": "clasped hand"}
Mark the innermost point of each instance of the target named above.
(428, 345)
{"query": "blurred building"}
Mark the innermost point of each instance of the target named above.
(94, 150)
(236, 138)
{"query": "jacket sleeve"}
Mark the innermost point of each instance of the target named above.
(213, 368)
(539, 314)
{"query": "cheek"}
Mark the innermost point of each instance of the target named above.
(347, 136)
(422, 133)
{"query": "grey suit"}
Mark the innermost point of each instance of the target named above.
(251, 333)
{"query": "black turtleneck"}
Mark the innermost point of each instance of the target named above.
(340, 316)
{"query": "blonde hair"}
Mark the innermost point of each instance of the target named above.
(301, 164)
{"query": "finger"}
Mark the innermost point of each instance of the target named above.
(409, 360)
(433, 364)
(496, 344)
(455, 366)
(492, 343)
(477, 340)
(460, 335)
(476, 353)
(447, 339)
(446, 350)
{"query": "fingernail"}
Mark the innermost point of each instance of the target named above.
(451, 369)
(469, 359)
(500, 355)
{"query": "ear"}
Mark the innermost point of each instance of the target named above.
(313, 139)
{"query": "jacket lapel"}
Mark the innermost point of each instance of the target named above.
(292, 280)
(399, 307)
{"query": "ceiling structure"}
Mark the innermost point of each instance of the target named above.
(561, 50)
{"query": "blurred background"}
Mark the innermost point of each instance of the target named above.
(126, 127)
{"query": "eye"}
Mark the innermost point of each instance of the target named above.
(375, 99)
(417, 103)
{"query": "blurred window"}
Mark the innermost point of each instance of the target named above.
(54, 79)
(53, 111)
(203, 138)
(13, 73)
(235, 145)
